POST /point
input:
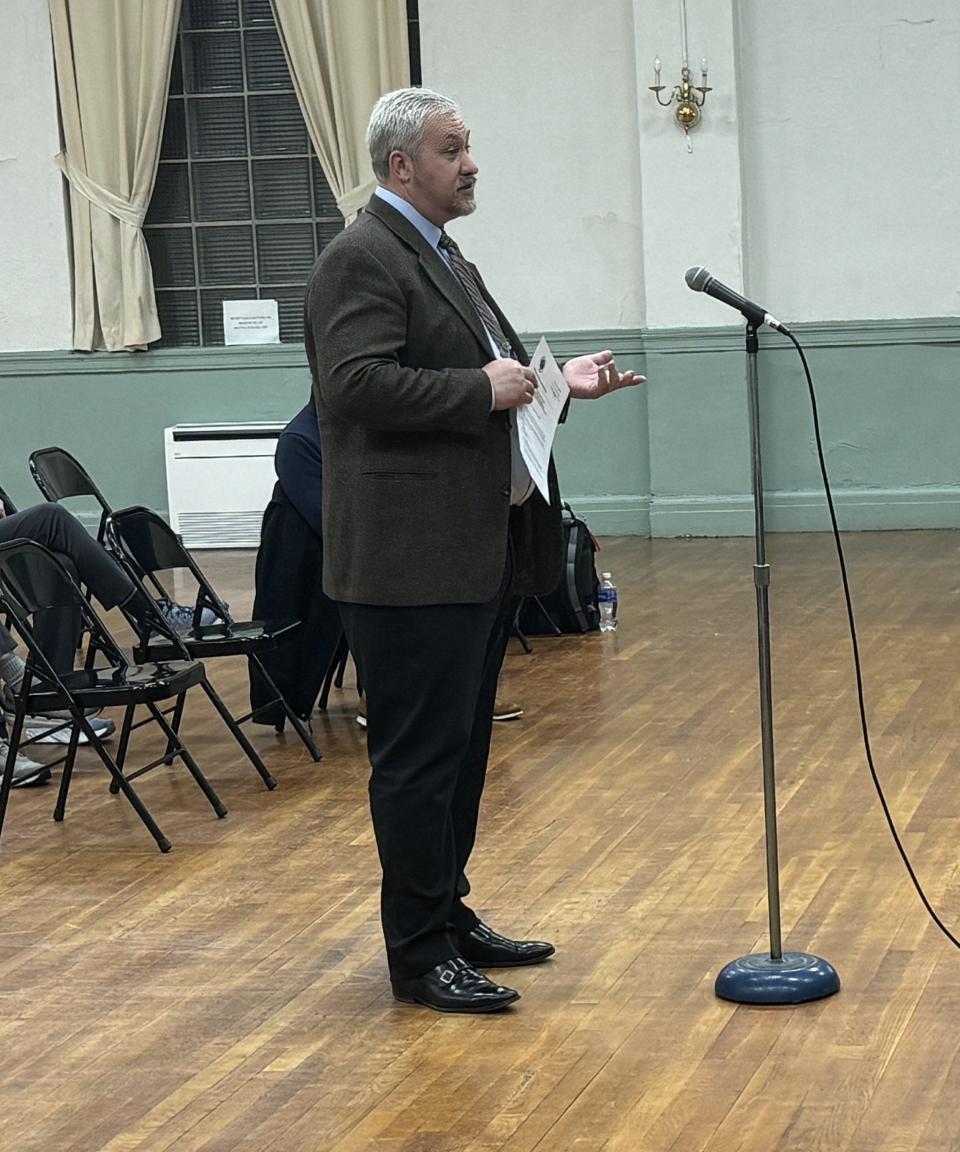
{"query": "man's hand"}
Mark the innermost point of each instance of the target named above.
(590, 377)
(513, 384)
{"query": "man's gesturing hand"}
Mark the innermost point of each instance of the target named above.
(513, 384)
(590, 377)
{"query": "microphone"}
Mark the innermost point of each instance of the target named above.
(699, 280)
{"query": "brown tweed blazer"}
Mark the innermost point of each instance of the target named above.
(416, 468)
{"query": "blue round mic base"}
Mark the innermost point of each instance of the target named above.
(796, 978)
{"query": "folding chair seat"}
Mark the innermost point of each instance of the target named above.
(156, 638)
(146, 546)
(33, 580)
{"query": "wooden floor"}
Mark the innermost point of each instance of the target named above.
(232, 995)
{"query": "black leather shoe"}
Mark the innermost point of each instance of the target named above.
(488, 949)
(454, 986)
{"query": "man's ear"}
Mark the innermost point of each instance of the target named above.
(401, 168)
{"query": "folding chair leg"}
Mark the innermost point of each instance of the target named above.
(125, 787)
(342, 666)
(125, 730)
(334, 670)
(8, 769)
(524, 642)
(215, 802)
(177, 720)
(290, 714)
(238, 735)
(67, 774)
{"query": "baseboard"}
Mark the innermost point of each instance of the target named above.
(858, 510)
(613, 515)
(673, 516)
(865, 510)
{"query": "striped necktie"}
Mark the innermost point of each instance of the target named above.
(521, 484)
(471, 285)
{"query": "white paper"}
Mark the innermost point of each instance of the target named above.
(251, 322)
(537, 422)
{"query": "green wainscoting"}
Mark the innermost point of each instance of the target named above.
(669, 459)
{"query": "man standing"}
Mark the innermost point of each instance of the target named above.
(432, 529)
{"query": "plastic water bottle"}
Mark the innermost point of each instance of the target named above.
(608, 601)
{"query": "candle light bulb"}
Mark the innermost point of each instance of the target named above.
(703, 66)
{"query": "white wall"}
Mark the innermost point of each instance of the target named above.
(825, 175)
(851, 127)
(35, 311)
(692, 203)
(547, 90)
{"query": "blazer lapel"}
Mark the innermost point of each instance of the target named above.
(434, 266)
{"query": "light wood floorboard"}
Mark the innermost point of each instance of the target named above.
(232, 995)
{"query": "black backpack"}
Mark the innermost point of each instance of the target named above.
(572, 605)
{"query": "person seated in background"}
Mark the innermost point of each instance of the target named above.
(289, 573)
(56, 629)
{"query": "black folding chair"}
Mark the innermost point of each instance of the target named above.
(155, 631)
(59, 476)
(148, 546)
(33, 580)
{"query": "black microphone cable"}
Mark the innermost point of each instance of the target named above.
(856, 654)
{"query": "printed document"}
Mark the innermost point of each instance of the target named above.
(537, 422)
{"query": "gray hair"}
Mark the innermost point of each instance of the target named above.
(398, 123)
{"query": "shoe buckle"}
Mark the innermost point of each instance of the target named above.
(447, 976)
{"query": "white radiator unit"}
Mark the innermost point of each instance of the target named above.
(219, 480)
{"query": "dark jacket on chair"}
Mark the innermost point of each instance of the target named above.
(288, 570)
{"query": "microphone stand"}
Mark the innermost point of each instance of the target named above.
(774, 977)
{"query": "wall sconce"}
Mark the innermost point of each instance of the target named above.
(687, 98)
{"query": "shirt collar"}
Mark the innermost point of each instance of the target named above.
(427, 229)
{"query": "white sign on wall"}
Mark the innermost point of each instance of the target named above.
(251, 322)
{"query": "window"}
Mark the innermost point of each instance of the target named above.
(241, 208)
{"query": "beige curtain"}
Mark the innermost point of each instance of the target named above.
(113, 62)
(343, 55)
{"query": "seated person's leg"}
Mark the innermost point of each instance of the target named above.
(54, 528)
(57, 630)
(11, 666)
(25, 771)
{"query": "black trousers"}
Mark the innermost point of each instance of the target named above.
(52, 526)
(430, 678)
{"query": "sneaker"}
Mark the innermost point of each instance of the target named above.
(103, 729)
(51, 719)
(504, 711)
(180, 616)
(26, 772)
